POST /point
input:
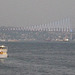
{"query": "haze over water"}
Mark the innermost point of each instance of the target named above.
(37, 58)
(35, 12)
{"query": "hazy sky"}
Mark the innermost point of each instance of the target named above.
(35, 12)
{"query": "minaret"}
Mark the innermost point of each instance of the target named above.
(69, 26)
(71, 34)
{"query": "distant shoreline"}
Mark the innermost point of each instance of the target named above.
(38, 41)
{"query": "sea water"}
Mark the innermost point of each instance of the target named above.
(39, 58)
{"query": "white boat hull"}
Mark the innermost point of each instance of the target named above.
(3, 52)
(3, 56)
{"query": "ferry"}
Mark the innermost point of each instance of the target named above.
(3, 51)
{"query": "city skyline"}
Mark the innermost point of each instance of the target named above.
(8, 34)
(59, 25)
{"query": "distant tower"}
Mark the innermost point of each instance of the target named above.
(70, 29)
(71, 34)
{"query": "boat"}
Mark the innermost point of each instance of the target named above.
(3, 51)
